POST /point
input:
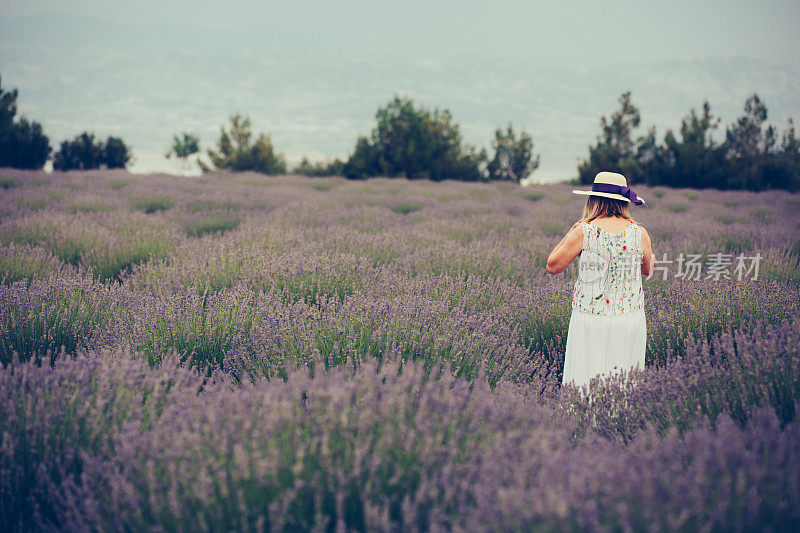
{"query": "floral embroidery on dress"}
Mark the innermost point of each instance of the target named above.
(609, 271)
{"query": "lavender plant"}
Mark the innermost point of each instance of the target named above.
(286, 354)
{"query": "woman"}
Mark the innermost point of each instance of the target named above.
(607, 329)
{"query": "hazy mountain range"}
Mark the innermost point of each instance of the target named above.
(147, 83)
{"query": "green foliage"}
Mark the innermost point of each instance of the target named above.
(33, 202)
(320, 168)
(533, 196)
(322, 187)
(415, 143)
(88, 206)
(6, 182)
(85, 153)
(216, 223)
(151, 203)
(23, 144)
(754, 159)
(184, 147)
(119, 184)
(26, 262)
(133, 247)
(50, 315)
(237, 152)
(678, 208)
(115, 153)
(750, 157)
(405, 208)
(80, 153)
(513, 158)
(694, 160)
(615, 150)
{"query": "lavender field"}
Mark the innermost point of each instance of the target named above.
(243, 352)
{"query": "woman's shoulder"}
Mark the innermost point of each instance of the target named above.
(633, 223)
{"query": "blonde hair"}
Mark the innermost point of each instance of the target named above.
(602, 207)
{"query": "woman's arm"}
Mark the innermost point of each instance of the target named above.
(564, 238)
(566, 251)
(648, 257)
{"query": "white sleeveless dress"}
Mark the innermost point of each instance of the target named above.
(607, 329)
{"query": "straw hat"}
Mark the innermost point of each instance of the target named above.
(612, 185)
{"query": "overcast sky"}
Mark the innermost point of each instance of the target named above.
(562, 32)
(145, 69)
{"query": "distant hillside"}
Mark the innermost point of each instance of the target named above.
(122, 81)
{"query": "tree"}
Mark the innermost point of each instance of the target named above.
(236, 152)
(693, 161)
(8, 107)
(320, 168)
(184, 147)
(790, 146)
(85, 153)
(364, 162)
(23, 144)
(415, 143)
(745, 139)
(750, 157)
(751, 149)
(115, 153)
(82, 153)
(615, 150)
(781, 170)
(513, 158)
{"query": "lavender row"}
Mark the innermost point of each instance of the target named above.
(111, 222)
(302, 311)
(115, 444)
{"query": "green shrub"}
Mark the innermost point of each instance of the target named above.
(320, 168)
(23, 143)
(88, 206)
(152, 203)
(533, 196)
(551, 229)
(59, 235)
(734, 242)
(236, 151)
(322, 186)
(513, 159)
(6, 182)
(726, 219)
(678, 208)
(26, 262)
(110, 260)
(119, 184)
(33, 203)
(415, 143)
(217, 223)
(84, 153)
(405, 208)
(48, 315)
(762, 215)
